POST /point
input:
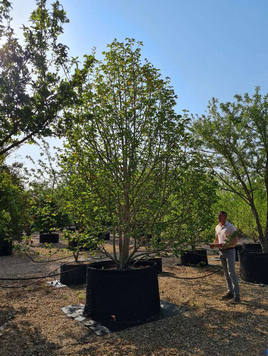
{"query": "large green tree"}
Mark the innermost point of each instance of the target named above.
(234, 140)
(34, 88)
(126, 137)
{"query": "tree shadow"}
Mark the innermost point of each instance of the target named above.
(22, 338)
(215, 332)
(203, 271)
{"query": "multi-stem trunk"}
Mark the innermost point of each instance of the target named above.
(124, 255)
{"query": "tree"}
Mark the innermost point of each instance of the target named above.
(240, 213)
(191, 203)
(45, 187)
(33, 89)
(124, 140)
(14, 204)
(234, 140)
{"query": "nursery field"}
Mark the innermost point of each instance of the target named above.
(32, 322)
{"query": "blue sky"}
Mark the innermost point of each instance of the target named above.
(207, 47)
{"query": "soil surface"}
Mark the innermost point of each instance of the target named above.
(33, 324)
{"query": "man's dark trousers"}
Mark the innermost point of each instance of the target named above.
(228, 263)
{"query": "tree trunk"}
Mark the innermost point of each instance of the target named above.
(264, 243)
(124, 254)
(262, 238)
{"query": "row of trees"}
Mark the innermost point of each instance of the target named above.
(130, 163)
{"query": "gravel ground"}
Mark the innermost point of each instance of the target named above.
(34, 325)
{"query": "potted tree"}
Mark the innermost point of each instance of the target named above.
(45, 218)
(232, 137)
(124, 140)
(75, 273)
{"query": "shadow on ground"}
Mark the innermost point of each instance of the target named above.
(22, 339)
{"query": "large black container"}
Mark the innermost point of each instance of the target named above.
(194, 258)
(73, 273)
(49, 237)
(249, 247)
(5, 247)
(156, 263)
(252, 247)
(126, 297)
(254, 266)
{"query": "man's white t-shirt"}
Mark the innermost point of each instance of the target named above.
(223, 231)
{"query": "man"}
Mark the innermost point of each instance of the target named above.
(226, 239)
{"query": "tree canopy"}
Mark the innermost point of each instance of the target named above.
(124, 141)
(34, 88)
(234, 140)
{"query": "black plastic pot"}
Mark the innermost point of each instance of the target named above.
(5, 247)
(126, 297)
(249, 247)
(252, 247)
(156, 263)
(73, 273)
(49, 237)
(254, 266)
(194, 258)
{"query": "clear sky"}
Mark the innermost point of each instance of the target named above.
(207, 47)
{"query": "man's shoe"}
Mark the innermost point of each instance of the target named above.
(237, 299)
(227, 296)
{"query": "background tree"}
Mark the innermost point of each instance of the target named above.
(126, 137)
(14, 204)
(191, 206)
(239, 212)
(45, 186)
(33, 86)
(234, 137)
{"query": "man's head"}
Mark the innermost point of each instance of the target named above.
(222, 217)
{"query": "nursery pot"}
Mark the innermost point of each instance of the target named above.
(73, 273)
(249, 247)
(124, 297)
(49, 237)
(156, 263)
(5, 247)
(254, 266)
(252, 247)
(194, 257)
